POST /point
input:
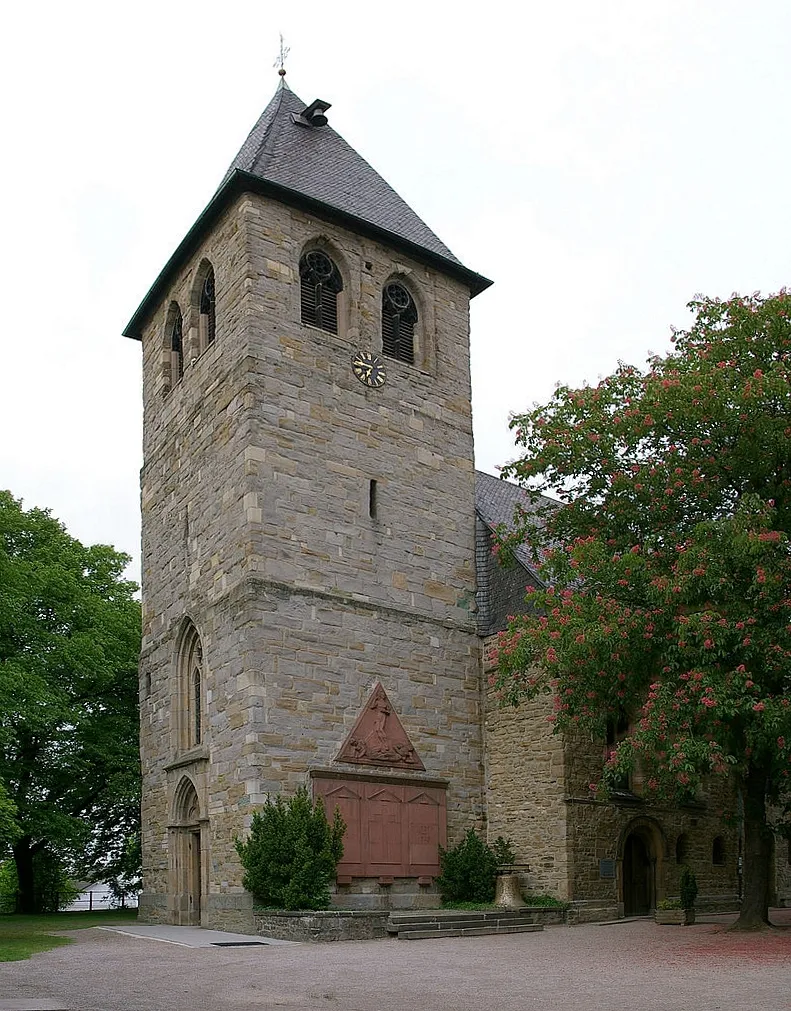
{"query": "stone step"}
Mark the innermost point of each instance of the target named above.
(447, 915)
(466, 924)
(489, 928)
(457, 919)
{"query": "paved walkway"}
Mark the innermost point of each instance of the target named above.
(632, 966)
(191, 937)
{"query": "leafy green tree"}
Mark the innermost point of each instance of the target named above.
(667, 566)
(292, 853)
(8, 823)
(69, 642)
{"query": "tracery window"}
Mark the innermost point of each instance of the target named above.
(207, 319)
(320, 285)
(399, 316)
(191, 688)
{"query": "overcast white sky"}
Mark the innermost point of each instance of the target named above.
(601, 160)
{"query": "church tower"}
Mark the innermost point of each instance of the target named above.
(308, 528)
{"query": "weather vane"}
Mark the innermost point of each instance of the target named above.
(280, 62)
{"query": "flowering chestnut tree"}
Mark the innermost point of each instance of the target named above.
(667, 565)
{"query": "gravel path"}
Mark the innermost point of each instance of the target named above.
(634, 965)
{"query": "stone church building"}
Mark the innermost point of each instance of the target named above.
(318, 585)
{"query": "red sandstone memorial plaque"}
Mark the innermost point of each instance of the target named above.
(377, 737)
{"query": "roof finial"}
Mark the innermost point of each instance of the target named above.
(280, 62)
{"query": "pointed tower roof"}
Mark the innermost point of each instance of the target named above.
(291, 155)
(317, 162)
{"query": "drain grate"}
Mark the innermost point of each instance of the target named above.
(238, 944)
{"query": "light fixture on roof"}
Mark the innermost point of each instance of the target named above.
(313, 114)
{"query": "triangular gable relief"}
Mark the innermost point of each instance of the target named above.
(423, 798)
(385, 797)
(344, 793)
(377, 737)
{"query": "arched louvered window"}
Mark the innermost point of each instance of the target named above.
(191, 688)
(320, 284)
(399, 316)
(207, 318)
(176, 345)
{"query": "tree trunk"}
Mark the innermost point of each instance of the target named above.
(757, 854)
(23, 858)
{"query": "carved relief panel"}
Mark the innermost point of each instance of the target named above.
(378, 738)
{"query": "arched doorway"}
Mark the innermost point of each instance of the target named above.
(185, 857)
(638, 876)
(642, 866)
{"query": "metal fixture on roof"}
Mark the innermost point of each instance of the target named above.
(313, 114)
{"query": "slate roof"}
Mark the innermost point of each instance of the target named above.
(317, 162)
(501, 590)
(315, 169)
(495, 501)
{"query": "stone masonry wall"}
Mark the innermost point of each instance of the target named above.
(598, 831)
(525, 792)
(256, 490)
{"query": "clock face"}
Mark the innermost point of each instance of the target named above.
(369, 369)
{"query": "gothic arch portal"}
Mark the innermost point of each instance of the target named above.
(186, 863)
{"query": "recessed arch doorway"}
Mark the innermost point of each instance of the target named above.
(642, 867)
(185, 857)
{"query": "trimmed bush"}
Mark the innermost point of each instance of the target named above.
(688, 889)
(292, 853)
(467, 871)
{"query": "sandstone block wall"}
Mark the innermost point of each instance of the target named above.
(598, 831)
(258, 527)
(525, 778)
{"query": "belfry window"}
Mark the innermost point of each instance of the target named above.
(207, 319)
(399, 316)
(320, 284)
(176, 346)
(191, 688)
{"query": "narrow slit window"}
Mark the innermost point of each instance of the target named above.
(196, 695)
(372, 499)
(320, 285)
(208, 315)
(399, 317)
(176, 346)
(191, 689)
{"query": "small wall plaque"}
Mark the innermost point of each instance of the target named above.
(607, 868)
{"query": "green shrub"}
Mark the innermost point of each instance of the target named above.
(467, 871)
(292, 853)
(53, 889)
(547, 901)
(8, 886)
(688, 888)
(503, 851)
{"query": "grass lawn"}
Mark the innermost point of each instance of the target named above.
(23, 936)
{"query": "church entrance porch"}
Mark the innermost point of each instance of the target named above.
(185, 890)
